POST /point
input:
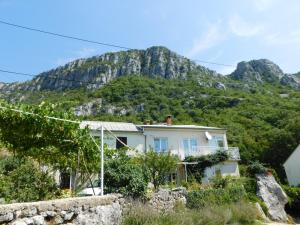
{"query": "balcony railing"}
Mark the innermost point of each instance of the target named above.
(233, 152)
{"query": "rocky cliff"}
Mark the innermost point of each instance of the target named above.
(96, 71)
(153, 62)
(263, 71)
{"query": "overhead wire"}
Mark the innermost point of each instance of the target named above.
(93, 42)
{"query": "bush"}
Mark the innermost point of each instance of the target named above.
(25, 182)
(158, 166)
(256, 168)
(206, 197)
(123, 176)
(294, 197)
(236, 213)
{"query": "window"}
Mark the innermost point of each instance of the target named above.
(190, 144)
(160, 144)
(216, 142)
(120, 141)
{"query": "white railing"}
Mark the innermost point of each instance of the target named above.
(233, 152)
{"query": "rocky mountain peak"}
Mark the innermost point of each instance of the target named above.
(96, 71)
(262, 70)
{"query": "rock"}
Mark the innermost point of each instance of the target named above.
(96, 71)
(273, 196)
(88, 109)
(68, 216)
(19, 222)
(261, 212)
(6, 217)
(260, 71)
(220, 86)
(290, 80)
(28, 221)
(167, 199)
(38, 220)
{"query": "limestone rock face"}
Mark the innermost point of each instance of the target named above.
(273, 196)
(89, 108)
(262, 70)
(96, 71)
(290, 80)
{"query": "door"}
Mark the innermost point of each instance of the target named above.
(120, 142)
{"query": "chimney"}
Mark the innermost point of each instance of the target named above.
(147, 122)
(169, 120)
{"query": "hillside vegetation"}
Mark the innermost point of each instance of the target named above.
(263, 122)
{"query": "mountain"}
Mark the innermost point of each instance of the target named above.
(263, 71)
(154, 62)
(96, 71)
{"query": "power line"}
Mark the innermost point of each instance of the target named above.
(94, 42)
(49, 76)
(213, 63)
(63, 35)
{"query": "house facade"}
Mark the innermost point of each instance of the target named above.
(180, 140)
(292, 168)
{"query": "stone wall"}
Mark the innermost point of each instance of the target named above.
(96, 210)
(167, 199)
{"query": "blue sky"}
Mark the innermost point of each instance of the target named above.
(220, 31)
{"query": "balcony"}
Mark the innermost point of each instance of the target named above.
(233, 152)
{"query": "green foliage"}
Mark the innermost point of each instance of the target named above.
(240, 213)
(203, 162)
(158, 166)
(123, 175)
(262, 124)
(293, 194)
(24, 181)
(256, 168)
(207, 197)
(51, 142)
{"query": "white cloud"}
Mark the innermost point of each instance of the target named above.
(211, 38)
(240, 27)
(262, 5)
(82, 53)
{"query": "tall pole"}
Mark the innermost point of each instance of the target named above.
(102, 161)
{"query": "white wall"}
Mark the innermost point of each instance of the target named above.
(292, 168)
(228, 168)
(175, 138)
(135, 140)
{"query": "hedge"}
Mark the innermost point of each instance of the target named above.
(205, 197)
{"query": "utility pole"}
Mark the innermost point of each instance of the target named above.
(102, 161)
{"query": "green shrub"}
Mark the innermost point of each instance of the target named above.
(26, 182)
(205, 197)
(294, 197)
(123, 176)
(256, 168)
(158, 166)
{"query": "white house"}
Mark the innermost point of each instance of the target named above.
(292, 168)
(181, 140)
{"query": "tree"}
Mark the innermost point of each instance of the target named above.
(123, 175)
(158, 166)
(51, 142)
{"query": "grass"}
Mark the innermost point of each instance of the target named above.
(240, 213)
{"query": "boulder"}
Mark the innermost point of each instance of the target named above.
(273, 196)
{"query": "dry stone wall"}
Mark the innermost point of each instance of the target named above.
(106, 210)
